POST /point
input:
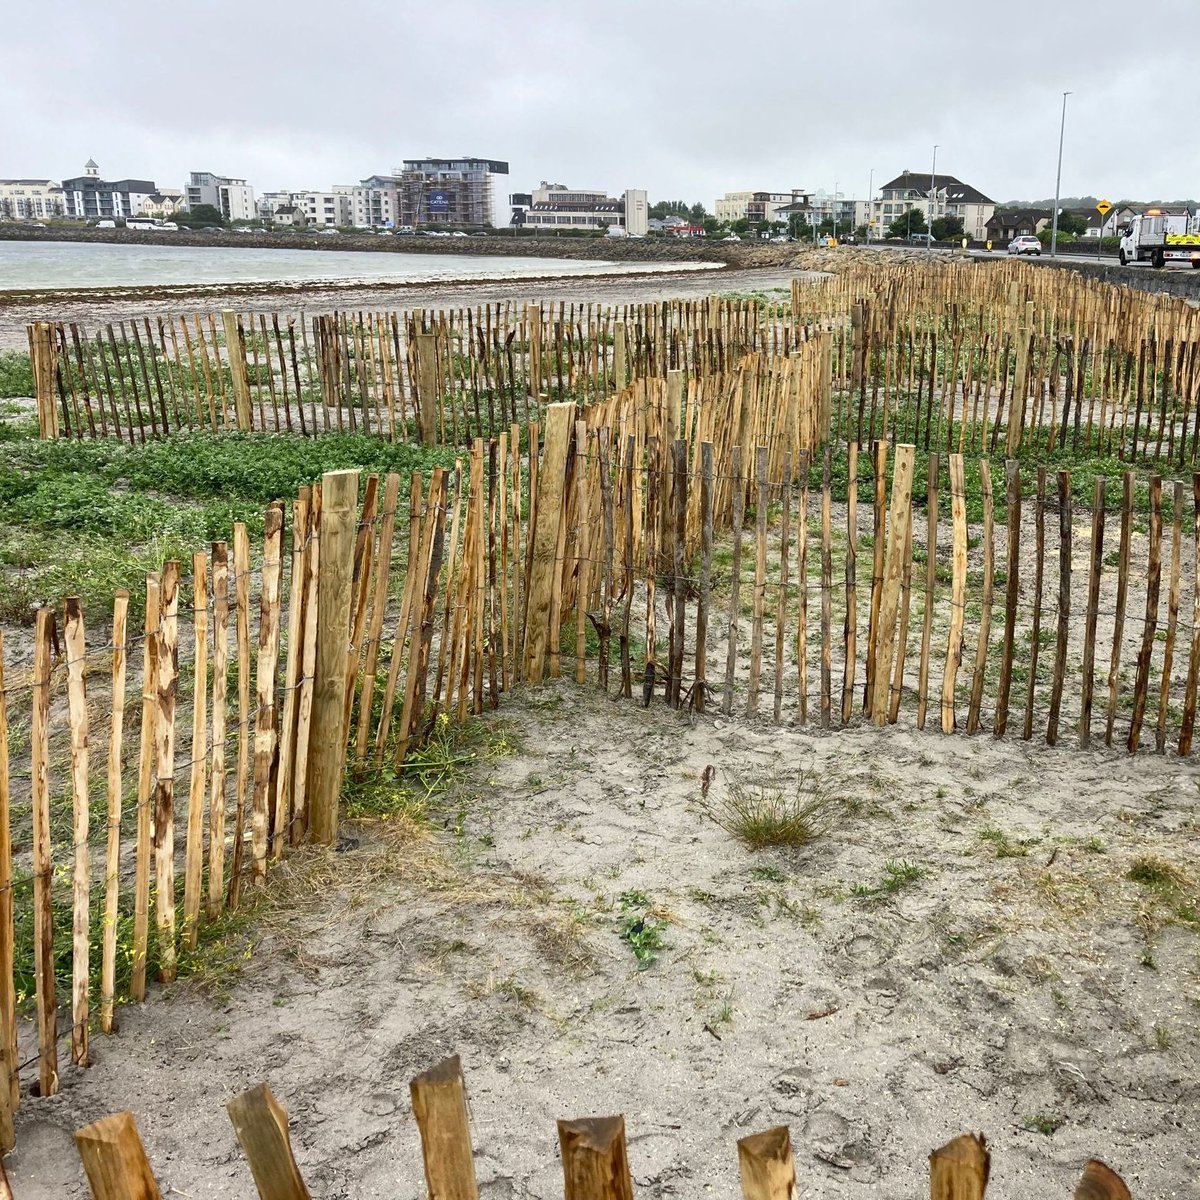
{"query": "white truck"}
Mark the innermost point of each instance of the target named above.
(1161, 238)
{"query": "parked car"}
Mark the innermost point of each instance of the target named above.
(922, 239)
(458, 233)
(1025, 245)
(733, 237)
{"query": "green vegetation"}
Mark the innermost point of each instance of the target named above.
(16, 374)
(897, 875)
(87, 518)
(640, 929)
(762, 813)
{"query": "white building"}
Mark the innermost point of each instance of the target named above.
(554, 206)
(330, 209)
(30, 199)
(88, 197)
(164, 204)
(232, 198)
(757, 207)
(950, 198)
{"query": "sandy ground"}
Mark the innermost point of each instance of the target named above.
(594, 289)
(989, 992)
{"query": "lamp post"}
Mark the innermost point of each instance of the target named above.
(835, 188)
(932, 200)
(870, 205)
(1058, 180)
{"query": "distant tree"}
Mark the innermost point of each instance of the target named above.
(797, 226)
(711, 226)
(697, 213)
(908, 223)
(202, 214)
(670, 208)
(1069, 222)
(740, 226)
(947, 228)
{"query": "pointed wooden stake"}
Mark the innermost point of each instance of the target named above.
(439, 1101)
(595, 1165)
(261, 1125)
(765, 1160)
(959, 1170)
(115, 1161)
(1101, 1182)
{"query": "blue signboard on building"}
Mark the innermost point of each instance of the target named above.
(439, 202)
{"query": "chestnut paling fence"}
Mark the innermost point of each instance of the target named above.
(979, 357)
(689, 542)
(592, 1150)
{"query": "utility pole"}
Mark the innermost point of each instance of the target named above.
(835, 188)
(932, 200)
(870, 205)
(1058, 180)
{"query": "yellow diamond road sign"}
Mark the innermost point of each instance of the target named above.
(1103, 208)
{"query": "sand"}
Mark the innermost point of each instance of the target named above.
(988, 992)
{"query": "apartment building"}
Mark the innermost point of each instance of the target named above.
(757, 207)
(232, 198)
(939, 196)
(30, 199)
(164, 204)
(446, 191)
(330, 209)
(88, 197)
(554, 206)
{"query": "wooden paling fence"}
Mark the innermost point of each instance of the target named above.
(593, 1152)
(447, 376)
(682, 542)
(957, 355)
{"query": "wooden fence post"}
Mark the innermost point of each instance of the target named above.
(46, 639)
(261, 1125)
(43, 359)
(112, 873)
(767, 1169)
(959, 1170)
(594, 1160)
(427, 388)
(1101, 1182)
(266, 731)
(235, 350)
(115, 1161)
(164, 789)
(897, 542)
(10, 1091)
(439, 1101)
(339, 504)
(82, 878)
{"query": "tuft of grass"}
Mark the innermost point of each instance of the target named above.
(762, 813)
(1045, 1123)
(1006, 846)
(897, 875)
(640, 929)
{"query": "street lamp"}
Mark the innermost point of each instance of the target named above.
(870, 205)
(932, 200)
(1058, 180)
(835, 188)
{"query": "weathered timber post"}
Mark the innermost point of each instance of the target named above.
(427, 388)
(439, 1101)
(339, 510)
(43, 358)
(235, 351)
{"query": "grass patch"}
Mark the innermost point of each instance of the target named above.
(16, 374)
(640, 929)
(763, 813)
(897, 875)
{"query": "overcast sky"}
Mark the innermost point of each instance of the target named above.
(684, 99)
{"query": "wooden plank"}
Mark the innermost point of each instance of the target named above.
(142, 847)
(1188, 723)
(265, 721)
(930, 586)
(339, 504)
(1114, 669)
(679, 493)
(167, 688)
(45, 641)
(439, 1101)
(360, 595)
(1141, 687)
(735, 580)
(1164, 695)
(594, 1159)
(760, 579)
(115, 1161)
(959, 1170)
(235, 353)
(285, 780)
(220, 687)
(766, 1166)
(582, 550)
(706, 546)
(1064, 605)
(850, 629)
(1101, 1182)
(10, 1084)
(194, 854)
(77, 718)
(889, 592)
(1035, 643)
(1012, 592)
(1095, 570)
(802, 595)
(112, 861)
(543, 539)
(261, 1125)
(298, 807)
(827, 589)
(897, 688)
(781, 603)
(954, 642)
(985, 616)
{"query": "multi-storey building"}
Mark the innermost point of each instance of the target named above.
(165, 203)
(933, 196)
(88, 197)
(757, 207)
(30, 199)
(330, 209)
(232, 198)
(553, 207)
(374, 202)
(446, 191)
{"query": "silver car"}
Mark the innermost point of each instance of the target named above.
(1025, 245)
